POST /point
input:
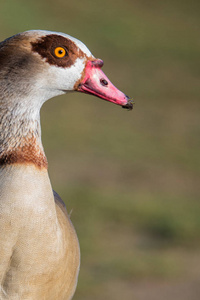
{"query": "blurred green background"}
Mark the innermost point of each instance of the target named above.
(131, 180)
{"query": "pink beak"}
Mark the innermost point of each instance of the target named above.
(95, 82)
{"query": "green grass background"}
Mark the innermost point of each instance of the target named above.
(129, 179)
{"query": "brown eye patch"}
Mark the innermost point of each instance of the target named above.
(49, 45)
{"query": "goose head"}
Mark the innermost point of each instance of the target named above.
(42, 64)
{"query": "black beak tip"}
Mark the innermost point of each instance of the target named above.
(129, 105)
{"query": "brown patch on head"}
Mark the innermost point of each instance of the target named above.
(19, 67)
(29, 153)
(47, 45)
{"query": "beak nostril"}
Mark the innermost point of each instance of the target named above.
(103, 82)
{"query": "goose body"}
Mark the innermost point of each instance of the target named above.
(39, 249)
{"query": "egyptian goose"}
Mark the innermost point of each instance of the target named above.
(39, 249)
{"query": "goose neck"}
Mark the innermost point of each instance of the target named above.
(20, 137)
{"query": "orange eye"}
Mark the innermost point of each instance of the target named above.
(60, 52)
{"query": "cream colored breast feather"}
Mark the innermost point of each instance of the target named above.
(39, 250)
